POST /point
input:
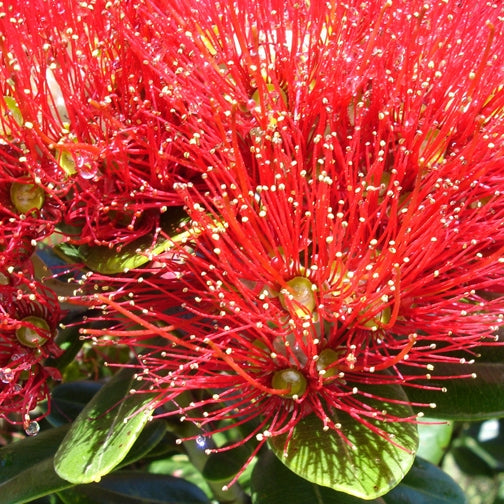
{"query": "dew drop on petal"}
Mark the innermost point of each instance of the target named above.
(6, 375)
(86, 165)
(32, 429)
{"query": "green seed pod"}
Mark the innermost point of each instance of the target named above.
(66, 161)
(300, 294)
(290, 379)
(26, 197)
(327, 357)
(30, 337)
(379, 319)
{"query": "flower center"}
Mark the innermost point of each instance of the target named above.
(290, 379)
(381, 318)
(326, 359)
(26, 197)
(299, 295)
(30, 337)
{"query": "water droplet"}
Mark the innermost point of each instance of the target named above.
(6, 375)
(33, 429)
(86, 165)
(201, 441)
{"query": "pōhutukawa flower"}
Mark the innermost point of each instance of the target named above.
(29, 316)
(83, 122)
(350, 234)
(28, 210)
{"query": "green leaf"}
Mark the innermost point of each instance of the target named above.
(479, 448)
(152, 434)
(26, 467)
(104, 432)
(435, 437)
(224, 465)
(129, 487)
(180, 465)
(69, 399)
(273, 483)
(369, 468)
(477, 398)
(110, 261)
(426, 484)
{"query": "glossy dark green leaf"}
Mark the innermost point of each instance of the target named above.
(368, 467)
(224, 465)
(479, 448)
(273, 483)
(128, 487)
(152, 434)
(26, 467)
(69, 399)
(425, 483)
(476, 398)
(179, 465)
(104, 432)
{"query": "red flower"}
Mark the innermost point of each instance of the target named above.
(88, 120)
(29, 315)
(29, 211)
(351, 228)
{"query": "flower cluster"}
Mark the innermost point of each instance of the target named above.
(349, 233)
(29, 316)
(88, 157)
(283, 208)
(87, 145)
